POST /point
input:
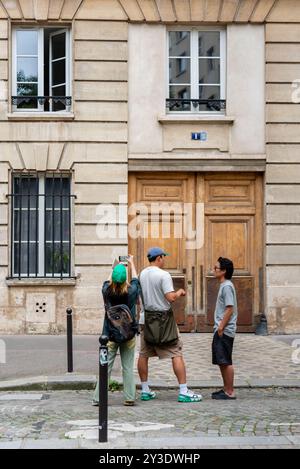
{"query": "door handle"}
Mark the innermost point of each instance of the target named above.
(261, 290)
(201, 287)
(193, 288)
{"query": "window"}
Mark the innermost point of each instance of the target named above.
(41, 69)
(196, 72)
(41, 226)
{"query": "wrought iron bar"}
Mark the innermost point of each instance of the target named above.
(18, 100)
(214, 104)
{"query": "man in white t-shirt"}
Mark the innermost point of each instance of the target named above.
(158, 295)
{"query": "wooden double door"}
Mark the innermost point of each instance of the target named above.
(196, 218)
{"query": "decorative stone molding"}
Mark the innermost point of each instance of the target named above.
(39, 10)
(165, 11)
(38, 156)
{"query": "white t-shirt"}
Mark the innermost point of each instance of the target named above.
(155, 283)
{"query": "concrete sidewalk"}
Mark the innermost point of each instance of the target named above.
(34, 362)
(197, 442)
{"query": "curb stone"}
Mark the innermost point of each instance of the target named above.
(88, 382)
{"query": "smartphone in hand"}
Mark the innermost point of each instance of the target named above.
(123, 259)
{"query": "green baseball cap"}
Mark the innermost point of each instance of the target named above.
(119, 274)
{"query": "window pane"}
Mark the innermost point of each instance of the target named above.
(179, 43)
(26, 243)
(179, 71)
(27, 90)
(180, 92)
(209, 92)
(57, 186)
(58, 46)
(58, 72)
(57, 224)
(22, 229)
(27, 42)
(58, 91)
(25, 186)
(22, 254)
(51, 188)
(55, 262)
(25, 224)
(209, 43)
(53, 219)
(28, 104)
(27, 69)
(209, 71)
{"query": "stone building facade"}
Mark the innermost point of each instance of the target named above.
(159, 101)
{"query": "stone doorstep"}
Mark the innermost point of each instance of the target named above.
(79, 381)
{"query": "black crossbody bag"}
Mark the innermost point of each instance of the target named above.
(160, 327)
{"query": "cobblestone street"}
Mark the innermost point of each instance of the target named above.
(259, 361)
(258, 418)
(266, 413)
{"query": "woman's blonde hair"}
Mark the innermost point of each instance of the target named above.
(118, 289)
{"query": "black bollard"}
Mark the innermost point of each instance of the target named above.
(103, 388)
(70, 339)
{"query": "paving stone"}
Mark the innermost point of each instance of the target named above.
(21, 397)
(11, 444)
(66, 411)
(51, 443)
(294, 439)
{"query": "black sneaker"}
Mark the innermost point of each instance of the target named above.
(217, 392)
(222, 396)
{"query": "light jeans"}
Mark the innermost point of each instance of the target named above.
(127, 353)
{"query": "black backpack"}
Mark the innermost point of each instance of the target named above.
(122, 326)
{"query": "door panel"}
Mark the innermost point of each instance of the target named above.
(179, 307)
(233, 229)
(228, 190)
(160, 206)
(171, 244)
(231, 235)
(233, 224)
(244, 292)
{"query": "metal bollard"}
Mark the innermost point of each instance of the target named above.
(70, 339)
(103, 388)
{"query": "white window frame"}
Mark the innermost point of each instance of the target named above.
(41, 234)
(40, 30)
(194, 84)
(40, 66)
(67, 62)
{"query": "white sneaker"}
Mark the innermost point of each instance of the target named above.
(189, 396)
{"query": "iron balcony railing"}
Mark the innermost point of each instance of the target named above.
(177, 104)
(42, 100)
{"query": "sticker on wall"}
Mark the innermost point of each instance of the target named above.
(202, 136)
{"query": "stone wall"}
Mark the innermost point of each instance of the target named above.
(91, 144)
(283, 169)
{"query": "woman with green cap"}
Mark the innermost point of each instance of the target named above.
(118, 291)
